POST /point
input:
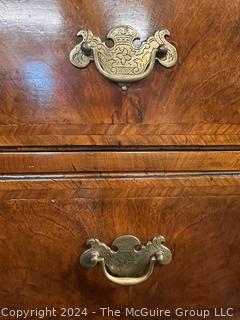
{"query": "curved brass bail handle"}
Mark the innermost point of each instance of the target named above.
(126, 264)
(128, 281)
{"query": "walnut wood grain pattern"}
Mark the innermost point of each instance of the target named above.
(44, 100)
(71, 162)
(42, 236)
(102, 186)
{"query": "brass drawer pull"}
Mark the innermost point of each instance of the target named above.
(124, 62)
(126, 265)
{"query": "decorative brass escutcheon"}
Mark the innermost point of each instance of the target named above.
(130, 262)
(124, 62)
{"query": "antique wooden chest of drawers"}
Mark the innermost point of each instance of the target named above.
(130, 165)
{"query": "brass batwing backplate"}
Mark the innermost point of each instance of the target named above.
(124, 62)
(131, 262)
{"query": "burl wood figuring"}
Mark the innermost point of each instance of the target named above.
(46, 101)
(46, 222)
(81, 159)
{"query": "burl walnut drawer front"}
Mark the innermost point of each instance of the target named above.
(46, 101)
(45, 224)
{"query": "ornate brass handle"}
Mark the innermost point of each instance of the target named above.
(127, 261)
(124, 62)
